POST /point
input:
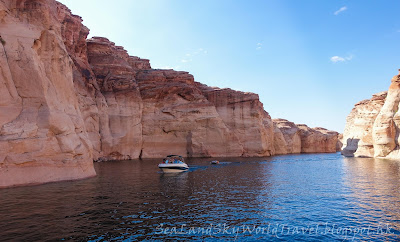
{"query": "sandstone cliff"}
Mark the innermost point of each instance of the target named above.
(290, 138)
(244, 116)
(42, 132)
(66, 101)
(372, 127)
(177, 118)
(317, 140)
(120, 110)
(291, 142)
(357, 136)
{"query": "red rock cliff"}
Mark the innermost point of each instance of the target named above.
(66, 101)
(244, 116)
(42, 132)
(290, 138)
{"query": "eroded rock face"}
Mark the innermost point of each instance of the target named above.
(291, 138)
(120, 117)
(317, 140)
(280, 143)
(372, 127)
(385, 132)
(339, 143)
(291, 135)
(74, 34)
(42, 133)
(177, 118)
(245, 117)
(358, 134)
(66, 101)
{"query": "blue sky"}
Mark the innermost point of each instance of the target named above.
(309, 61)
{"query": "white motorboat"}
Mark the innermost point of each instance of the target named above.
(173, 163)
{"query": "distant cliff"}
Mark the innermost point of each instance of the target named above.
(66, 101)
(372, 127)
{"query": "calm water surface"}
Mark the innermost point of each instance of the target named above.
(294, 197)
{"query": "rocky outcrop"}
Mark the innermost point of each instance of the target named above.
(244, 115)
(372, 127)
(317, 140)
(357, 135)
(385, 131)
(177, 118)
(66, 101)
(120, 116)
(291, 138)
(339, 143)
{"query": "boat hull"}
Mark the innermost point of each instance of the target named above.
(173, 170)
(173, 167)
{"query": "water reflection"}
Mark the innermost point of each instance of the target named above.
(375, 186)
(132, 199)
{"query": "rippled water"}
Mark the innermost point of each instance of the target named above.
(293, 197)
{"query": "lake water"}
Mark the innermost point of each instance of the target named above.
(310, 197)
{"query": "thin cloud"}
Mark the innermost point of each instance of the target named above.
(189, 56)
(336, 59)
(168, 67)
(349, 57)
(342, 9)
(198, 52)
(259, 46)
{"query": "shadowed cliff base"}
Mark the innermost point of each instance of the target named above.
(350, 147)
(69, 101)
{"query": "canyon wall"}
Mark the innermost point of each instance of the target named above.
(372, 127)
(66, 101)
(42, 132)
(291, 138)
(177, 118)
(244, 116)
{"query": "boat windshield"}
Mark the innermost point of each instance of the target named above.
(172, 159)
